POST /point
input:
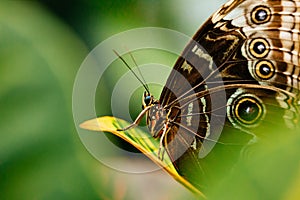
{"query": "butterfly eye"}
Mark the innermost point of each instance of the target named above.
(260, 15)
(147, 100)
(259, 48)
(246, 110)
(264, 70)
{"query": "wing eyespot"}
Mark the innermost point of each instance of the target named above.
(259, 48)
(264, 70)
(245, 110)
(260, 15)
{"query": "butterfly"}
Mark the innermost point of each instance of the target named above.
(238, 75)
(235, 82)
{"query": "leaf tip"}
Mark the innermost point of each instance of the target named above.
(100, 124)
(92, 125)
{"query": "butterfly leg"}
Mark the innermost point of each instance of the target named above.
(136, 121)
(161, 150)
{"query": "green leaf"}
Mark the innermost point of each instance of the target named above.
(142, 141)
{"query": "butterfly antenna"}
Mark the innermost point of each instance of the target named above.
(140, 73)
(144, 85)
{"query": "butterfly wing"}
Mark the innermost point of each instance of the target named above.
(242, 67)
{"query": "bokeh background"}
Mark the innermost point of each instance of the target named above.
(42, 45)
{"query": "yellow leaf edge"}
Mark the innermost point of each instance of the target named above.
(111, 124)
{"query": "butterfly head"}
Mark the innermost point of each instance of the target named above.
(147, 100)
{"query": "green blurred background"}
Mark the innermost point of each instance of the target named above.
(42, 46)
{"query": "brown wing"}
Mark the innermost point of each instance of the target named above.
(243, 65)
